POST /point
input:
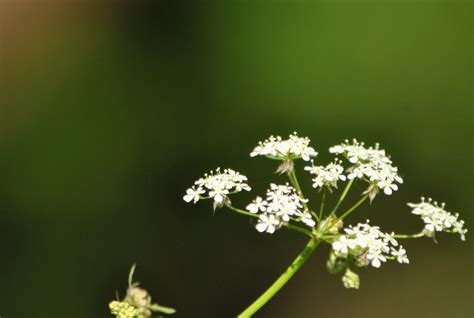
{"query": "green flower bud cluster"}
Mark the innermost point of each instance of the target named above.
(122, 309)
(137, 303)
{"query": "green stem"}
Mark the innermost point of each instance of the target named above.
(288, 225)
(342, 197)
(254, 215)
(321, 209)
(296, 184)
(298, 229)
(281, 281)
(409, 236)
(355, 206)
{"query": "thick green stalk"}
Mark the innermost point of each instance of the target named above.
(282, 280)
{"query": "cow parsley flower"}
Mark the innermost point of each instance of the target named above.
(400, 255)
(370, 164)
(257, 205)
(218, 185)
(327, 176)
(368, 245)
(292, 148)
(193, 194)
(267, 223)
(437, 219)
(282, 204)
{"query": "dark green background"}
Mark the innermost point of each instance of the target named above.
(109, 112)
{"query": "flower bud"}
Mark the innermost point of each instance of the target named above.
(350, 279)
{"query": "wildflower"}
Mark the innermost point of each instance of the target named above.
(437, 219)
(370, 164)
(257, 205)
(327, 176)
(218, 186)
(267, 223)
(368, 245)
(401, 255)
(193, 194)
(341, 246)
(282, 204)
(292, 148)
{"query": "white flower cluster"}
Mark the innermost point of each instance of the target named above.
(218, 185)
(370, 164)
(437, 219)
(368, 245)
(281, 204)
(327, 176)
(292, 148)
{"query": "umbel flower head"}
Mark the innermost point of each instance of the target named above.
(283, 149)
(437, 219)
(217, 185)
(281, 205)
(371, 165)
(277, 148)
(327, 176)
(366, 244)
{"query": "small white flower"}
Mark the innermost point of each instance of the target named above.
(340, 246)
(292, 148)
(307, 219)
(267, 223)
(376, 259)
(257, 205)
(401, 255)
(283, 203)
(367, 244)
(218, 194)
(218, 184)
(327, 175)
(193, 194)
(437, 219)
(370, 164)
(387, 186)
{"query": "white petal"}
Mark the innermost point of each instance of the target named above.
(376, 263)
(218, 198)
(252, 208)
(261, 227)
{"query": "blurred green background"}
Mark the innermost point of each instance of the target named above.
(108, 112)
